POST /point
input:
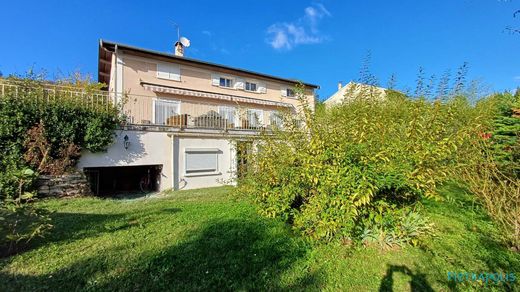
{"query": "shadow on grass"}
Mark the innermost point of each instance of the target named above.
(418, 281)
(223, 255)
(76, 226)
(136, 195)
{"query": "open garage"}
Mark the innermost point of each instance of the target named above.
(107, 181)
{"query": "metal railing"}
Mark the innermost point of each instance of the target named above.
(153, 111)
(45, 93)
(147, 110)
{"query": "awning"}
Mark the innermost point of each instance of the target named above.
(188, 92)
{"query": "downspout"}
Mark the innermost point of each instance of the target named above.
(116, 88)
(173, 161)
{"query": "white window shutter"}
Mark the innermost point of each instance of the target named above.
(175, 72)
(239, 83)
(168, 71)
(201, 160)
(262, 88)
(162, 71)
(215, 79)
(283, 91)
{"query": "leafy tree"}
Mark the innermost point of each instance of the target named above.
(506, 133)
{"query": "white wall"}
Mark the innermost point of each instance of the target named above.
(226, 163)
(146, 148)
(155, 148)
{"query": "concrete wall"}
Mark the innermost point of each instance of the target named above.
(157, 148)
(146, 148)
(226, 163)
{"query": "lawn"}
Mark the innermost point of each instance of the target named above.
(208, 240)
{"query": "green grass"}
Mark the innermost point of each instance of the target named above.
(207, 240)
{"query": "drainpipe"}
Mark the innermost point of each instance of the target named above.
(115, 77)
(173, 161)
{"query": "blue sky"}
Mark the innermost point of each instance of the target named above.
(320, 42)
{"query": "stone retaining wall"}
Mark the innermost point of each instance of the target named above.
(67, 185)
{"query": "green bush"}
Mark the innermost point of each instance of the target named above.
(41, 127)
(65, 120)
(358, 170)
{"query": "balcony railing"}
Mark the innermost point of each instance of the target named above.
(146, 110)
(163, 112)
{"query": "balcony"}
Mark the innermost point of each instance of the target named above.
(179, 113)
(174, 111)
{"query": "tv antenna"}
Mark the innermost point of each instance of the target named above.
(178, 30)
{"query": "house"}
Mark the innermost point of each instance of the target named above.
(352, 90)
(187, 121)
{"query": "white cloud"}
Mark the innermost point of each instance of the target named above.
(516, 77)
(287, 35)
(207, 32)
(315, 14)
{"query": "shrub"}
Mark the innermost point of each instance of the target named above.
(42, 131)
(50, 128)
(356, 171)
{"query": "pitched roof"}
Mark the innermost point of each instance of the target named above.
(105, 46)
(353, 89)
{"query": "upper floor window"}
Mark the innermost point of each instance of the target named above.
(226, 82)
(168, 71)
(287, 92)
(251, 86)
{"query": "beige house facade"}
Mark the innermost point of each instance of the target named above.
(184, 118)
(354, 90)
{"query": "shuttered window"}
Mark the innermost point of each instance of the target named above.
(287, 92)
(201, 161)
(164, 110)
(168, 71)
(225, 82)
(250, 86)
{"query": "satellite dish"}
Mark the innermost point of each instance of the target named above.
(184, 41)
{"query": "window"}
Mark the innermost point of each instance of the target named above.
(255, 118)
(287, 92)
(275, 119)
(168, 71)
(251, 86)
(228, 113)
(225, 82)
(201, 161)
(164, 110)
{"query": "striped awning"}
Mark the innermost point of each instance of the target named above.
(188, 92)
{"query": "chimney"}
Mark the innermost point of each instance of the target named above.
(179, 49)
(340, 85)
